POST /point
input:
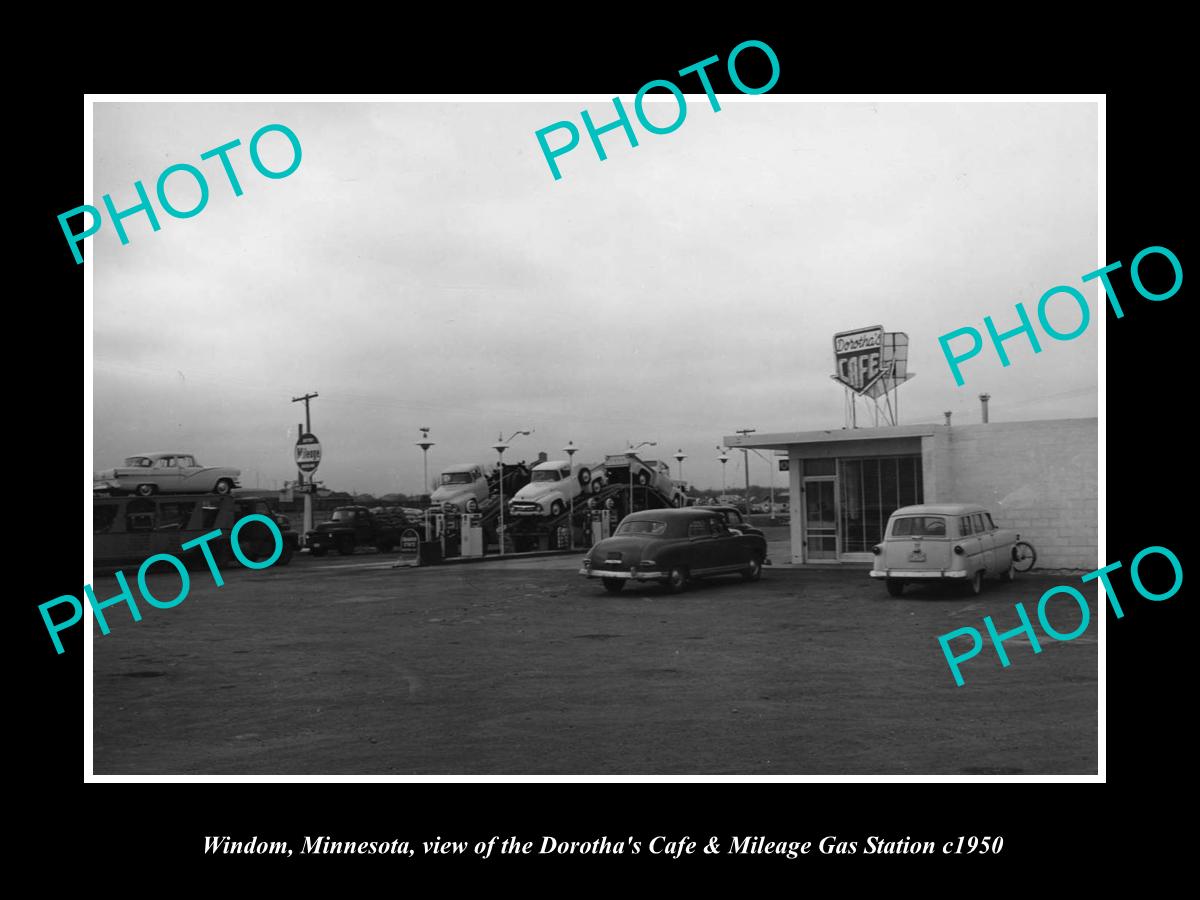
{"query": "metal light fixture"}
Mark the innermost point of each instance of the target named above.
(571, 450)
(425, 443)
(500, 446)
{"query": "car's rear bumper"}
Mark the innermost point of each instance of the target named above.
(918, 573)
(623, 574)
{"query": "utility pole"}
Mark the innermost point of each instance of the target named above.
(307, 522)
(744, 432)
(307, 419)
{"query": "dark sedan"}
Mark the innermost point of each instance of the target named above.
(671, 546)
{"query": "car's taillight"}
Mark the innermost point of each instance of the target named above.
(958, 549)
(876, 549)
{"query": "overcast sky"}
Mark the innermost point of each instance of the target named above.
(422, 268)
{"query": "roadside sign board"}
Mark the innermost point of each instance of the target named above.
(410, 547)
(858, 356)
(308, 453)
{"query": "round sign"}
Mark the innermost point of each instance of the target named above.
(308, 453)
(410, 541)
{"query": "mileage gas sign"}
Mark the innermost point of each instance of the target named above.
(308, 453)
(859, 357)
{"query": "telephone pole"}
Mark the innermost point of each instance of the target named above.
(746, 462)
(307, 420)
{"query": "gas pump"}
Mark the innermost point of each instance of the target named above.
(601, 524)
(471, 539)
(451, 535)
(435, 528)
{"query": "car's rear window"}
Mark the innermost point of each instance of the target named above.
(919, 526)
(642, 526)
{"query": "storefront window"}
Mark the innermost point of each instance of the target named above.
(872, 489)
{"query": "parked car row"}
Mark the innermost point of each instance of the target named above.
(127, 529)
(931, 542)
(953, 542)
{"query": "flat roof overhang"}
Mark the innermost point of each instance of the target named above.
(782, 440)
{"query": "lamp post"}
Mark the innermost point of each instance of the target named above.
(571, 450)
(723, 458)
(630, 453)
(425, 443)
(680, 456)
(500, 446)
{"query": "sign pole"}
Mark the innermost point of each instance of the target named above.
(308, 457)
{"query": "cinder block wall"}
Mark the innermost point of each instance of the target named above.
(1037, 477)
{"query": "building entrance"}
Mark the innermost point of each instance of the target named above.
(820, 518)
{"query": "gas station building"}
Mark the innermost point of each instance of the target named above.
(1038, 477)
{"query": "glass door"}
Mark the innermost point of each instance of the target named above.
(820, 518)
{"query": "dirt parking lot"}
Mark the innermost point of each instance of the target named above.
(347, 666)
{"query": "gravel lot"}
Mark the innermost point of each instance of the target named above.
(347, 666)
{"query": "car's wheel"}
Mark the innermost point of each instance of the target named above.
(556, 508)
(345, 546)
(643, 478)
(975, 583)
(1009, 574)
(613, 585)
(146, 490)
(224, 486)
(753, 572)
(895, 587)
(585, 476)
(676, 579)
(318, 549)
(597, 485)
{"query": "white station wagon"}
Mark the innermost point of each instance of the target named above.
(957, 541)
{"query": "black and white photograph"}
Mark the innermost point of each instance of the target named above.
(500, 436)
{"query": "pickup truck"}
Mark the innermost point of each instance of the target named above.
(552, 487)
(357, 526)
(463, 487)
